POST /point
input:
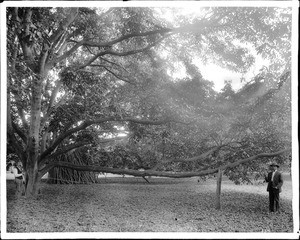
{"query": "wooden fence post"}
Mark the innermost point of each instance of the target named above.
(218, 195)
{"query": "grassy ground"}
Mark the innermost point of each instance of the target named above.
(132, 205)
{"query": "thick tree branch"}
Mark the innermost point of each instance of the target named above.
(165, 32)
(15, 15)
(11, 126)
(113, 63)
(54, 94)
(162, 31)
(57, 41)
(69, 52)
(119, 54)
(62, 47)
(261, 155)
(116, 76)
(51, 103)
(27, 21)
(17, 146)
(108, 70)
(87, 123)
(71, 147)
(63, 151)
(24, 36)
(156, 173)
(45, 136)
(21, 134)
(18, 103)
(54, 38)
(16, 94)
(122, 38)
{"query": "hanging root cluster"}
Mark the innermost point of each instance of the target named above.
(60, 175)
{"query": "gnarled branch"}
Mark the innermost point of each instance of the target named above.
(120, 54)
(87, 123)
(156, 173)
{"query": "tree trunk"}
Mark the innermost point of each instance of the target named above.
(218, 195)
(32, 181)
(33, 147)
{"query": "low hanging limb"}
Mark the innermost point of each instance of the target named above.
(155, 173)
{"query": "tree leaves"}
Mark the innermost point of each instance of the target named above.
(91, 64)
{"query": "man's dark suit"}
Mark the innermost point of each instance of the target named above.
(274, 188)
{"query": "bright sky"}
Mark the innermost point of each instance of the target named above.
(211, 71)
(218, 75)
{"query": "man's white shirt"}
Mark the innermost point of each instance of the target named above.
(273, 174)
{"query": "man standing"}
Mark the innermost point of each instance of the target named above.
(17, 171)
(274, 180)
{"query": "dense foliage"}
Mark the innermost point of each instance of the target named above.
(102, 81)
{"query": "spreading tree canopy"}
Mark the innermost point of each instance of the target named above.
(102, 81)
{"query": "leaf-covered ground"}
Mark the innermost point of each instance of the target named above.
(132, 205)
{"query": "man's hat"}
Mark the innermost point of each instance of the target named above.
(274, 164)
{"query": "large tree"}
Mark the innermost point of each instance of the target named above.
(74, 74)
